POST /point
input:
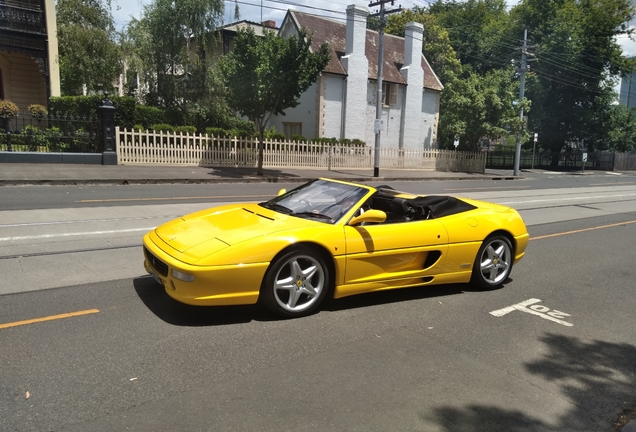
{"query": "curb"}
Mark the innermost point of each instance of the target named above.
(80, 182)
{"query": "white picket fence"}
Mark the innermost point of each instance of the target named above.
(161, 148)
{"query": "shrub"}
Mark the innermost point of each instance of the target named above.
(325, 140)
(163, 127)
(139, 127)
(37, 111)
(82, 140)
(147, 116)
(8, 109)
(358, 142)
(186, 129)
(175, 117)
(244, 128)
(273, 134)
(34, 138)
(86, 107)
(217, 132)
(54, 140)
(298, 138)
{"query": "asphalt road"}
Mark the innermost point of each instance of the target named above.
(552, 350)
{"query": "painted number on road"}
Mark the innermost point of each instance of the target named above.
(530, 306)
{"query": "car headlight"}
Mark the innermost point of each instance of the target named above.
(182, 276)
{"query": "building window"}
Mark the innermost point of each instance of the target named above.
(389, 94)
(291, 129)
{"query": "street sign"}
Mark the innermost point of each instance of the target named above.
(534, 146)
(456, 142)
(378, 126)
(584, 157)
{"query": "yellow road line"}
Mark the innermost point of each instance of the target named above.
(583, 230)
(49, 318)
(172, 198)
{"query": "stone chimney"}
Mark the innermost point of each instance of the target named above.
(411, 133)
(413, 34)
(357, 66)
(356, 29)
(269, 23)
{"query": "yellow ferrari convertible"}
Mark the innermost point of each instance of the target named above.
(332, 238)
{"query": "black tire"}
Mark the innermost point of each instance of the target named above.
(296, 283)
(493, 263)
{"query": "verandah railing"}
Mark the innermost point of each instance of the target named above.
(149, 147)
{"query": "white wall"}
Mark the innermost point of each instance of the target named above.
(331, 110)
(391, 118)
(430, 118)
(328, 110)
(344, 106)
(304, 113)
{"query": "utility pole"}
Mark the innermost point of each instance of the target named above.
(377, 127)
(522, 89)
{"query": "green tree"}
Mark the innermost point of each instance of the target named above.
(477, 102)
(615, 130)
(475, 106)
(172, 40)
(131, 61)
(266, 75)
(477, 30)
(577, 57)
(436, 44)
(88, 54)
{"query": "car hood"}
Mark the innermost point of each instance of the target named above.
(203, 233)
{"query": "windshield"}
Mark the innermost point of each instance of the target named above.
(321, 200)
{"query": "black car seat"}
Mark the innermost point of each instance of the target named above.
(400, 211)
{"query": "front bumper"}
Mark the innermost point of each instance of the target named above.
(212, 286)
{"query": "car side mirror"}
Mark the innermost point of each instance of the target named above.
(369, 216)
(282, 191)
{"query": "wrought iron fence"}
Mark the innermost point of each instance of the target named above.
(567, 160)
(51, 133)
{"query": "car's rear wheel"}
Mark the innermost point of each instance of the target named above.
(493, 263)
(296, 283)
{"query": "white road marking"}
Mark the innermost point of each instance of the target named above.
(46, 236)
(504, 311)
(613, 173)
(71, 222)
(569, 199)
(538, 310)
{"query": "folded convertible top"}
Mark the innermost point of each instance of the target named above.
(442, 205)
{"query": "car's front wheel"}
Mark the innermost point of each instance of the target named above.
(296, 283)
(493, 263)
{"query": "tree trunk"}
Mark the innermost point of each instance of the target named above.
(555, 158)
(259, 165)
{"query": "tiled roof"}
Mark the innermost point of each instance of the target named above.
(333, 32)
(258, 27)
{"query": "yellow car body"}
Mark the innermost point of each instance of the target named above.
(221, 256)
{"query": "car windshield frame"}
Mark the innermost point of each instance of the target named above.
(320, 200)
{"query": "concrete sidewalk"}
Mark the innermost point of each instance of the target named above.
(74, 174)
